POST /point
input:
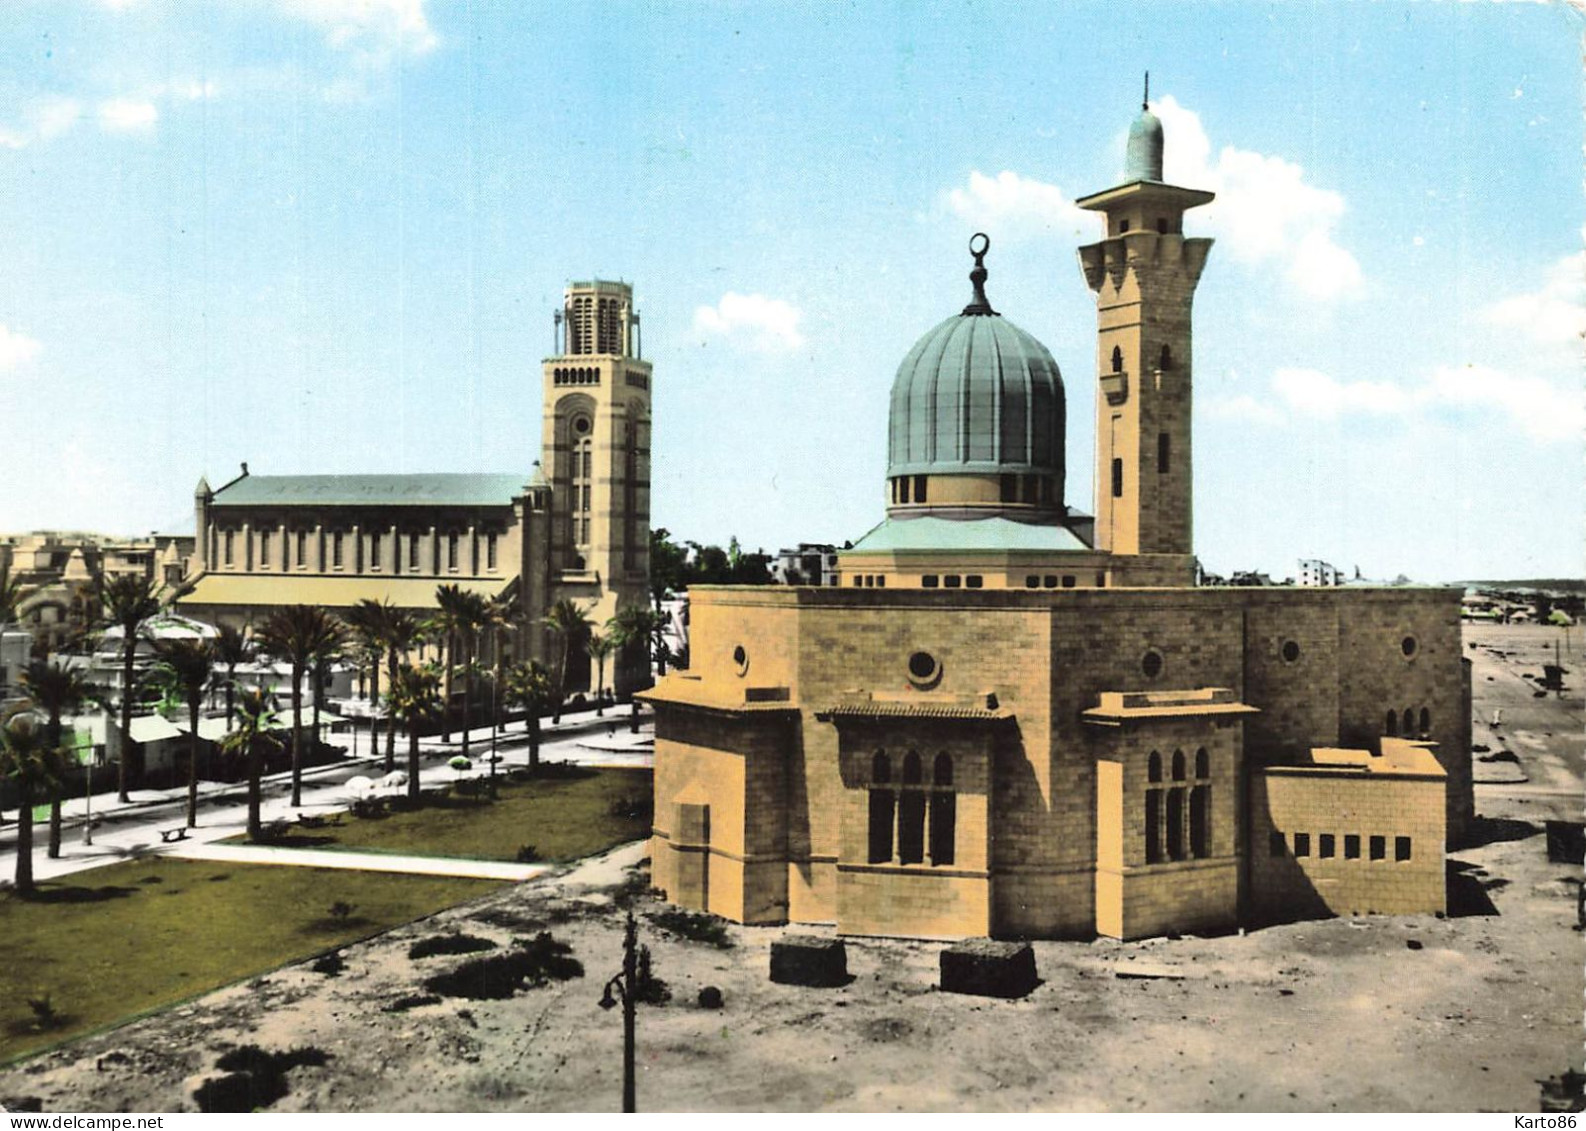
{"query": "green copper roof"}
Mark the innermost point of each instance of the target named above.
(1143, 157)
(372, 490)
(976, 394)
(928, 532)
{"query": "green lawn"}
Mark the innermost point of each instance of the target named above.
(112, 943)
(563, 818)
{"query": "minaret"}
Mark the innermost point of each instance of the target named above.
(597, 453)
(1144, 274)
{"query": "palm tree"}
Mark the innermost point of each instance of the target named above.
(299, 635)
(231, 648)
(11, 593)
(529, 685)
(635, 625)
(599, 647)
(367, 620)
(55, 690)
(255, 724)
(401, 634)
(129, 601)
(450, 621)
(185, 669)
(569, 622)
(502, 616)
(24, 758)
(414, 696)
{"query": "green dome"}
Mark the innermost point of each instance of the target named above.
(977, 395)
(1143, 157)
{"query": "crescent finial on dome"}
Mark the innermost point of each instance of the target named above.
(979, 304)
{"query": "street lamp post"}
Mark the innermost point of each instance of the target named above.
(626, 985)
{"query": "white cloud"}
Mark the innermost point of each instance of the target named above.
(767, 324)
(1266, 213)
(373, 27)
(44, 118)
(127, 115)
(1554, 313)
(1540, 408)
(16, 349)
(1310, 392)
(1014, 207)
(1246, 408)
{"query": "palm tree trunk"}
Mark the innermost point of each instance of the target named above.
(24, 880)
(125, 747)
(52, 734)
(192, 765)
(374, 698)
(600, 687)
(255, 826)
(413, 761)
(231, 694)
(446, 713)
(297, 736)
(391, 721)
(534, 737)
(468, 693)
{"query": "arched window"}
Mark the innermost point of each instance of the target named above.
(1426, 722)
(911, 813)
(944, 812)
(1117, 359)
(1409, 723)
(1178, 765)
(882, 801)
(1165, 359)
(1175, 824)
(1392, 728)
(1202, 765)
(1153, 826)
(1153, 767)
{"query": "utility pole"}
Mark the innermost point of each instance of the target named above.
(626, 985)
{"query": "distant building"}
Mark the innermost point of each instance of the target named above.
(578, 529)
(57, 571)
(1315, 572)
(809, 563)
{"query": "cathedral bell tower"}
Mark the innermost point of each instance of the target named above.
(597, 454)
(1144, 274)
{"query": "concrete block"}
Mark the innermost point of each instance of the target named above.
(808, 960)
(988, 968)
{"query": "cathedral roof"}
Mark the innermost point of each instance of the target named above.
(976, 394)
(442, 489)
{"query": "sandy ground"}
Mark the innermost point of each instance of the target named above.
(1337, 1015)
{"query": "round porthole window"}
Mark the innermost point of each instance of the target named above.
(924, 671)
(1151, 664)
(581, 425)
(740, 659)
(1291, 651)
(1408, 646)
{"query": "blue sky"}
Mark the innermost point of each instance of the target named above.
(328, 235)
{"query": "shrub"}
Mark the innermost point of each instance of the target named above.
(340, 911)
(44, 1015)
(531, 963)
(329, 964)
(527, 854)
(633, 808)
(449, 944)
(695, 926)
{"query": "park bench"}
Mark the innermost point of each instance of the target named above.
(168, 836)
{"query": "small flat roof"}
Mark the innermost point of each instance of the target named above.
(1398, 756)
(1118, 707)
(441, 488)
(690, 691)
(992, 533)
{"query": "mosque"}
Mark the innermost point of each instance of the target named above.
(1012, 719)
(575, 528)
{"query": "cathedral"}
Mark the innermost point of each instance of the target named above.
(1012, 719)
(576, 526)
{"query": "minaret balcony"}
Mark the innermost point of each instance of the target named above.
(1115, 386)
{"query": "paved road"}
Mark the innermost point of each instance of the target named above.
(122, 832)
